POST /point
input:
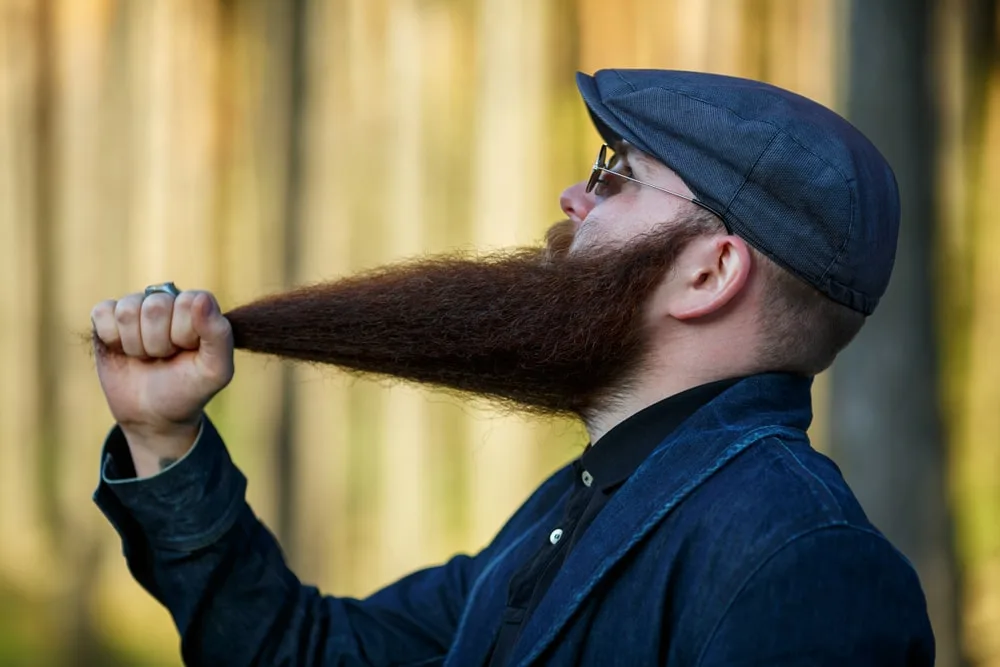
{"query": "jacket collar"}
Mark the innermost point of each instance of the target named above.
(623, 449)
(749, 411)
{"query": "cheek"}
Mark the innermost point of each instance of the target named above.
(592, 235)
(585, 237)
(612, 231)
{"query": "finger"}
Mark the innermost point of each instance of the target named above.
(182, 333)
(127, 312)
(102, 319)
(214, 332)
(154, 318)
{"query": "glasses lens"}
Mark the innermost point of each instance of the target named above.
(599, 165)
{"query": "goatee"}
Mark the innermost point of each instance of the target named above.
(540, 329)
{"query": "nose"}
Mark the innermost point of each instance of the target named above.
(576, 202)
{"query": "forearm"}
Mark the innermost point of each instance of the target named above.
(193, 542)
(239, 604)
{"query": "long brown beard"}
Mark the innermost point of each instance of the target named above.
(534, 328)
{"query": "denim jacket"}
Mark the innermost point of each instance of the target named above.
(733, 544)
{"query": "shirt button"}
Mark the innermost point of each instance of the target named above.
(556, 535)
(587, 478)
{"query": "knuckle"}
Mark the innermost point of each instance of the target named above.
(185, 299)
(201, 293)
(127, 311)
(157, 306)
(103, 310)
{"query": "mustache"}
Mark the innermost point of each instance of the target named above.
(559, 239)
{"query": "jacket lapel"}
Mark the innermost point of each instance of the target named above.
(747, 413)
(486, 601)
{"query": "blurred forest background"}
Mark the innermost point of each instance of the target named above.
(248, 145)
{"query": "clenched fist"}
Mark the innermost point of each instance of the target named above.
(160, 360)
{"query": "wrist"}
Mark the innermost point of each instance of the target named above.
(155, 450)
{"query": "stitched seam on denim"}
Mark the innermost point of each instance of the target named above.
(753, 437)
(832, 498)
(838, 525)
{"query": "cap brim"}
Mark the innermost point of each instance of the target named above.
(610, 128)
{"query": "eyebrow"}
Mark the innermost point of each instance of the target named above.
(632, 155)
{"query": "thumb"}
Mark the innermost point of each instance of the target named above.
(214, 331)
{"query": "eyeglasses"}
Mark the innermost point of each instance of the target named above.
(602, 166)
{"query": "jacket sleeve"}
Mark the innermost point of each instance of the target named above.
(191, 540)
(835, 596)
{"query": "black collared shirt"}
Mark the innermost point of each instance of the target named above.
(600, 471)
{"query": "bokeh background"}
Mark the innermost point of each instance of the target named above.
(248, 145)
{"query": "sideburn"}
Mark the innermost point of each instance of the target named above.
(536, 328)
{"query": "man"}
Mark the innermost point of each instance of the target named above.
(728, 251)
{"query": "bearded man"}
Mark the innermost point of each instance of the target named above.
(731, 246)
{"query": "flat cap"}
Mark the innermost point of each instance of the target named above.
(791, 177)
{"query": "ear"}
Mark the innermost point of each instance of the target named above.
(710, 272)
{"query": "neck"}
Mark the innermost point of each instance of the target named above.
(663, 379)
(635, 401)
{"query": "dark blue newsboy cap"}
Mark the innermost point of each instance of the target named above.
(791, 177)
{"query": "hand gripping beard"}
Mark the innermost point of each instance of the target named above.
(540, 329)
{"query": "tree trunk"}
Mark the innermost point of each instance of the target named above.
(295, 15)
(886, 428)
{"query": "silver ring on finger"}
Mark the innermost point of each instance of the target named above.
(163, 288)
